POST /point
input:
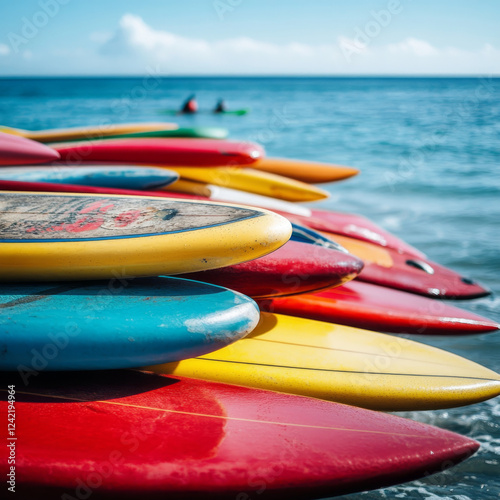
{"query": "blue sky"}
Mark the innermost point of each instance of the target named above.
(327, 37)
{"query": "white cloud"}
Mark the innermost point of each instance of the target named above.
(137, 45)
(134, 47)
(413, 46)
(140, 43)
(4, 49)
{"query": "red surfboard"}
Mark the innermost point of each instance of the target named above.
(150, 151)
(125, 434)
(294, 268)
(52, 187)
(16, 150)
(421, 276)
(373, 307)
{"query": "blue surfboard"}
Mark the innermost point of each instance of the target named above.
(123, 177)
(121, 323)
(304, 234)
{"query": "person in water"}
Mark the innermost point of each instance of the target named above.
(220, 107)
(190, 105)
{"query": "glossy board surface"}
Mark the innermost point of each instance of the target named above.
(344, 364)
(378, 308)
(122, 177)
(154, 151)
(254, 181)
(305, 171)
(120, 323)
(129, 435)
(294, 268)
(16, 150)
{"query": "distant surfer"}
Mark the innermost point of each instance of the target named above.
(190, 105)
(220, 107)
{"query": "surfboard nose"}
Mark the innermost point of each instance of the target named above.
(346, 365)
(421, 276)
(17, 150)
(294, 268)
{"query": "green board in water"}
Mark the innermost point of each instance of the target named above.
(237, 112)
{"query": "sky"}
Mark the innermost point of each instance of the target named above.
(250, 37)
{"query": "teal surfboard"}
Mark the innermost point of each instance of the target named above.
(119, 323)
(123, 177)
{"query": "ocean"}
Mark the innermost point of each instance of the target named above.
(429, 154)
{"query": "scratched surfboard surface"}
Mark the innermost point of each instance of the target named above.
(63, 237)
(28, 217)
(120, 323)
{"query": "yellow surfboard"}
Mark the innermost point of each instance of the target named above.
(57, 236)
(253, 181)
(97, 131)
(343, 364)
(368, 252)
(305, 171)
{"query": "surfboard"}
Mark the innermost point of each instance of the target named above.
(228, 195)
(305, 171)
(49, 237)
(52, 187)
(122, 323)
(378, 308)
(388, 268)
(157, 151)
(236, 112)
(294, 268)
(343, 364)
(95, 131)
(126, 177)
(253, 181)
(125, 434)
(18, 151)
(193, 132)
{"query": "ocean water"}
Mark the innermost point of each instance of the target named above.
(429, 153)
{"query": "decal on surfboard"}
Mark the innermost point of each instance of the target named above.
(25, 217)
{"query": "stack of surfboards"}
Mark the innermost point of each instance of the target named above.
(214, 405)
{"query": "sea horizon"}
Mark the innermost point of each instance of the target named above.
(305, 77)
